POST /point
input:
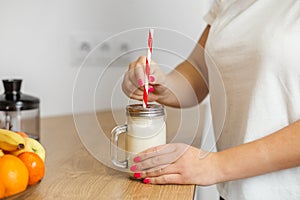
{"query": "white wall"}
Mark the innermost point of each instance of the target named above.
(35, 46)
(35, 39)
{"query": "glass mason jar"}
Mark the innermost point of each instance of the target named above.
(145, 128)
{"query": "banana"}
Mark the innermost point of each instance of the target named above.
(31, 145)
(10, 141)
(1, 153)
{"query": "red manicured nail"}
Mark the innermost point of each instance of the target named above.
(137, 175)
(137, 159)
(151, 89)
(146, 180)
(133, 168)
(152, 78)
(140, 82)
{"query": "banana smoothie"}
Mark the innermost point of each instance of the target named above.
(145, 128)
(144, 133)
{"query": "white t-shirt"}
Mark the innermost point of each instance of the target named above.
(255, 49)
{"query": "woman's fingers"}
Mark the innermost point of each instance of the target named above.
(134, 80)
(131, 89)
(165, 179)
(158, 156)
(160, 170)
(155, 151)
(157, 76)
(154, 162)
(166, 174)
(184, 165)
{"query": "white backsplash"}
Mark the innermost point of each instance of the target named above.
(35, 43)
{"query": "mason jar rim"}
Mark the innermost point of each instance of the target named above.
(152, 110)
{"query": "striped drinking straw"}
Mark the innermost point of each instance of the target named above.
(147, 69)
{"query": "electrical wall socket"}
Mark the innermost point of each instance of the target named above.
(98, 50)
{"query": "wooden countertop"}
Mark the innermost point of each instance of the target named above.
(73, 173)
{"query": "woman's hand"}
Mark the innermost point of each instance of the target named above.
(134, 80)
(176, 164)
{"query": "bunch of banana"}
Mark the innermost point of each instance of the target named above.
(10, 141)
(1, 153)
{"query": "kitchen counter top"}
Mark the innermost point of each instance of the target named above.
(73, 173)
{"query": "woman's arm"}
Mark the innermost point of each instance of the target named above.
(186, 84)
(184, 164)
(278, 151)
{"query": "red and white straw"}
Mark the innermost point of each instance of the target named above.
(147, 69)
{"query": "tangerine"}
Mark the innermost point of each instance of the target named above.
(2, 190)
(35, 166)
(14, 174)
(24, 135)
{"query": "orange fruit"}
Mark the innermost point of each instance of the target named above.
(35, 166)
(2, 190)
(24, 135)
(14, 174)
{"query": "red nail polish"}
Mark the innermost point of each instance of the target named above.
(137, 175)
(133, 168)
(140, 82)
(152, 79)
(146, 180)
(151, 89)
(137, 159)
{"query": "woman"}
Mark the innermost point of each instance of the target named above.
(255, 46)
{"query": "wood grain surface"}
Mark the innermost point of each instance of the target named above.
(73, 173)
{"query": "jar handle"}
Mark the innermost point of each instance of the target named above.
(114, 146)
